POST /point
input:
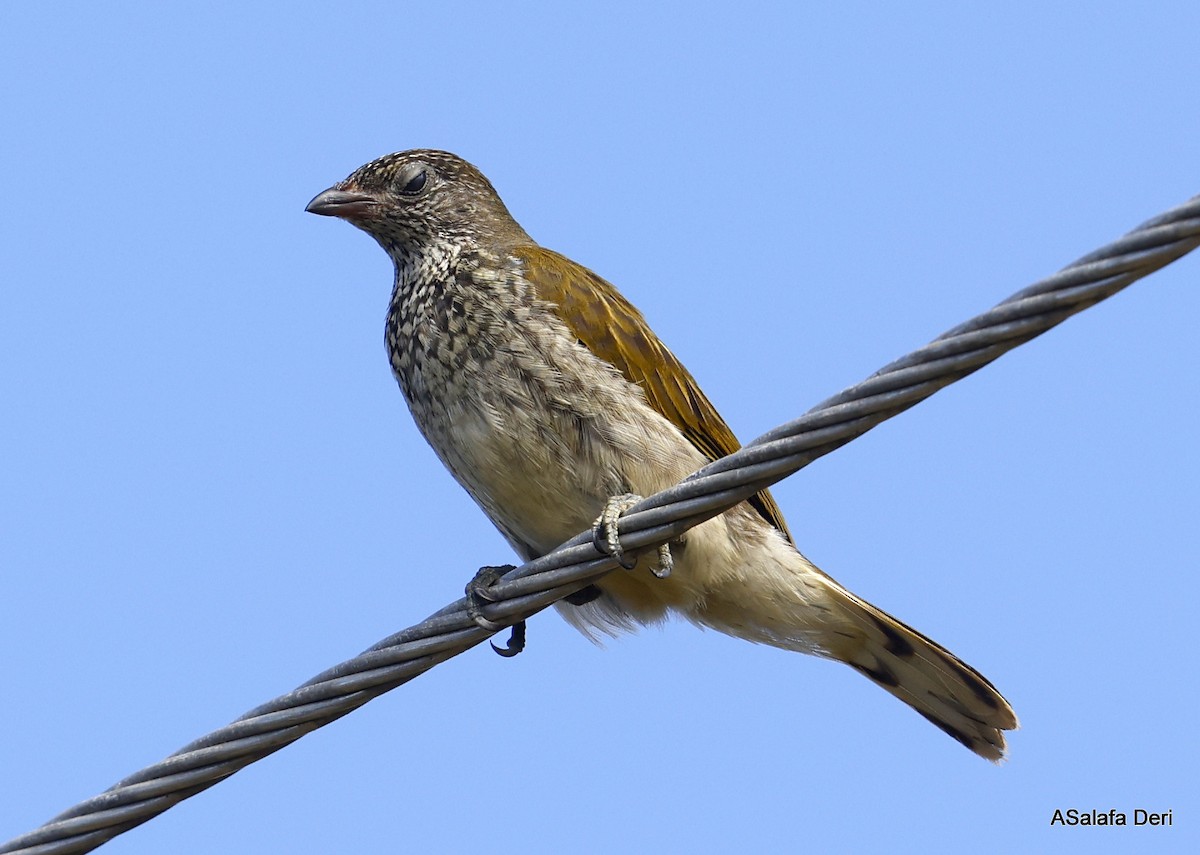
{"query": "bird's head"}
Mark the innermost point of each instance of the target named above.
(414, 200)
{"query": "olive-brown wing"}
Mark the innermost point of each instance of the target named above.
(613, 329)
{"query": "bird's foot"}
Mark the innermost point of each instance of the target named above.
(477, 598)
(606, 539)
(666, 562)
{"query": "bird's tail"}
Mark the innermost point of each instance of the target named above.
(787, 602)
(926, 676)
(783, 600)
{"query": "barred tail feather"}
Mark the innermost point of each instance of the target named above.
(926, 676)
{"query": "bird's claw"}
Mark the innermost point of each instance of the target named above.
(515, 643)
(666, 562)
(606, 539)
(604, 530)
(477, 598)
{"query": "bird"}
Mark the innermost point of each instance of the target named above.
(549, 398)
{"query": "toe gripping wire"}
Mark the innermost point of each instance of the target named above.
(521, 593)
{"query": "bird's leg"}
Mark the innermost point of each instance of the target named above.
(477, 597)
(606, 539)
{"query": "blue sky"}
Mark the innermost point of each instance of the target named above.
(210, 488)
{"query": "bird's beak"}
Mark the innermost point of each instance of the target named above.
(342, 203)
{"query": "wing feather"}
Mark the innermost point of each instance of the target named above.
(612, 328)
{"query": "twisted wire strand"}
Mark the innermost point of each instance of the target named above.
(532, 587)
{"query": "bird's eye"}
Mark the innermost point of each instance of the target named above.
(415, 184)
